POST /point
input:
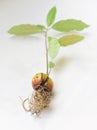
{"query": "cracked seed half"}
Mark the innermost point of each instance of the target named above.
(43, 80)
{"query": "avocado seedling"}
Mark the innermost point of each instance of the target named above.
(41, 82)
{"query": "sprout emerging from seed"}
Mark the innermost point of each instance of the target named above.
(42, 85)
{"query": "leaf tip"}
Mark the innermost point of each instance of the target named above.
(9, 31)
(54, 7)
(87, 25)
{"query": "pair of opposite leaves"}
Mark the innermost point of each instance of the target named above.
(60, 26)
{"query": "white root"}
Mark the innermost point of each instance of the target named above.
(23, 104)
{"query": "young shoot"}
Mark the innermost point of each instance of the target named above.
(41, 82)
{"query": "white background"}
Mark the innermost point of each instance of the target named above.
(74, 105)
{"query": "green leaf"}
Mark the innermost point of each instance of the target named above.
(53, 48)
(51, 16)
(70, 39)
(51, 64)
(26, 29)
(69, 25)
(49, 38)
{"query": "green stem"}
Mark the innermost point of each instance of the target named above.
(46, 49)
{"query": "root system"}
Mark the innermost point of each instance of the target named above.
(39, 100)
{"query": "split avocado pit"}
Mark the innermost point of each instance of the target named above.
(42, 85)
